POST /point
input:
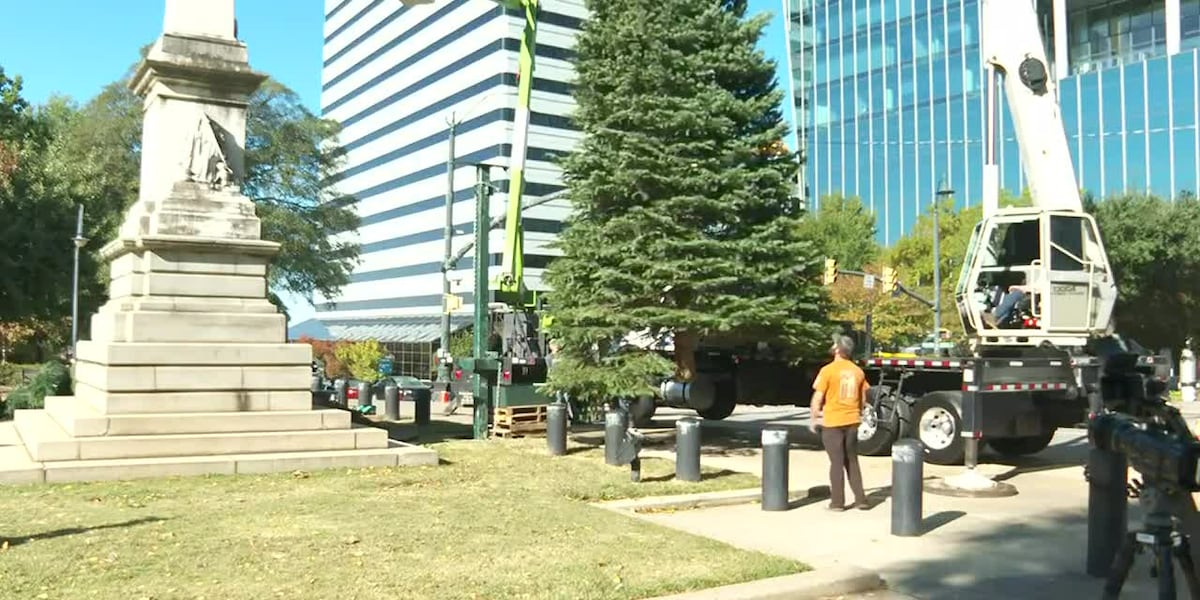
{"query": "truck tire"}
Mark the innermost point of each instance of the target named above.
(723, 404)
(937, 423)
(641, 411)
(882, 423)
(1022, 446)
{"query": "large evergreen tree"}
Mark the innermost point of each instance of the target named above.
(684, 217)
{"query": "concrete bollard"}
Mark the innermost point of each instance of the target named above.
(556, 429)
(339, 391)
(421, 408)
(614, 431)
(687, 449)
(391, 399)
(774, 469)
(908, 465)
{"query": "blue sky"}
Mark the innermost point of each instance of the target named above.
(76, 47)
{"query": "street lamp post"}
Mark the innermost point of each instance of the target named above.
(942, 192)
(79, 242)
(443, 373)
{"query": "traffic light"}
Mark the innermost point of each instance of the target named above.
(830, 271)
(889, 279)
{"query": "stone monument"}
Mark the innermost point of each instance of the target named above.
(188, 370)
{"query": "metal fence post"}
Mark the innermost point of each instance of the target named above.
(391, 398)
(687, 449)
(556, 429)
(774, 469)
(908, 465)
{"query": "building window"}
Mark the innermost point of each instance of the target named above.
(1107, 34)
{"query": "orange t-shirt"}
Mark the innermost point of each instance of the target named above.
(843, 384)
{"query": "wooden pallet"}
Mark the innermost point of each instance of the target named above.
(517, 421)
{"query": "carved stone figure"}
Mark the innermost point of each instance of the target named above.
(207, 162)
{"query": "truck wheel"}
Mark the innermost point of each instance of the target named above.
(641, 411)
(938, 424)
(881, 424)
(1021, 446)
(724, 402)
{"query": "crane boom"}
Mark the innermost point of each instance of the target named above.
(1013, 45)
(511, 286)
(1033, 276)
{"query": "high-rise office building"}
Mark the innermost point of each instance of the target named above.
(395, 78)
(890, 98)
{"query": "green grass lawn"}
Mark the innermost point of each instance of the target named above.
(498, 519)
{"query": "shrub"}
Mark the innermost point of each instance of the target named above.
(54, 379)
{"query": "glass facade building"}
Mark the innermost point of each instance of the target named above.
(890, 98)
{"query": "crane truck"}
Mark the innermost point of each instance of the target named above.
(1024, 377)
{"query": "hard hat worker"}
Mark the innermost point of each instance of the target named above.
(839, 395)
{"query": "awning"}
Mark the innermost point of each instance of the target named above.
(395, 330)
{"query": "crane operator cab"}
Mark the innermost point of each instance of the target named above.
(1032, 277)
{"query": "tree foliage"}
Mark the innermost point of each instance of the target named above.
(361, 359)
(1152, 246)
(59, 156)
(895, 320)
(327, 353)
(684, 222)
(845, 229)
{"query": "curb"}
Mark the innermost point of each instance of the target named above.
(701, 500)
(810, 585)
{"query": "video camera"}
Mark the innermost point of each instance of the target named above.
(1137, 421)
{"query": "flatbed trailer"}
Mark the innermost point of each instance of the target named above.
(1012, 404)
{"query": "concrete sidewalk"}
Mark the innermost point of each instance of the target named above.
(1027, 546)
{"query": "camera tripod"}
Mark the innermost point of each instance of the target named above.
(1164, 541)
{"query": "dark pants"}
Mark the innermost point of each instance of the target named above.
(841, 444)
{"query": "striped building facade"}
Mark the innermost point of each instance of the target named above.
(395, 78)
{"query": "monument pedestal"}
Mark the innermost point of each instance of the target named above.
(188, 372)
(188, 369)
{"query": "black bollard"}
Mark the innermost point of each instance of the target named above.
(391, 400)
(614, 433)
(421, 400)
(1108, 505)
(908, 465)
(339, 391)
(635, 470)
(775, 469)
(556, 429)
(687, 449)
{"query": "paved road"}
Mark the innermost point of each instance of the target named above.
(1029, 546)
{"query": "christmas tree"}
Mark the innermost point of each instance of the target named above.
(685, 223)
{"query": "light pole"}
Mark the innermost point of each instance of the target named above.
(443, 373)
(942, 192)
(79, 242)
(454, 120)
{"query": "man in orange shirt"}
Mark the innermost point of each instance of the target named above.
(839, 394)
